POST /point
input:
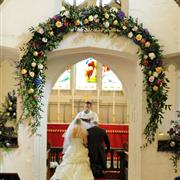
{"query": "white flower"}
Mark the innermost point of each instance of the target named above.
(115, 22)
(106, 16)
(150, 72)
(10, 108)
(44, 40)
(32, 74)
(147, 44)
(10, 103)
(135, 28)
(91, 18)
(66, 13)
(8, 114)
(33, 64)
(151, 78)
(145, 56)
(63, 8)
(151, 55)
(106, 24)
(40, 30)
(96, 20)
(35, 53)
(0, 132)
(114, 9)
(155, 74)
(14, 114)
(40, 66)
(124, 27)
(130, 35)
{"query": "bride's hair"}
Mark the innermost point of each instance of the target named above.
(78, 121)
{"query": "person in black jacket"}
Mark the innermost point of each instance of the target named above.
(96, 139)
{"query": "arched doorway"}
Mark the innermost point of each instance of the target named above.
(122, 63)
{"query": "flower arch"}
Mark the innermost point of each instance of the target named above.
(47, 36)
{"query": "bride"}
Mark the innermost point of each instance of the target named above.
(75, 164)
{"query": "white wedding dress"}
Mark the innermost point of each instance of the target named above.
(75, 164)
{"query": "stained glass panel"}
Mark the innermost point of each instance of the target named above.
(86, 74)
(64, 80)
(109, 80)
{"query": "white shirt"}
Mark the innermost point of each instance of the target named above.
(92, 116)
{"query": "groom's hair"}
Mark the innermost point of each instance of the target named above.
(95, 123)
(88, 103)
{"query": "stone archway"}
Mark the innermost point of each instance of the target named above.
(121, 63)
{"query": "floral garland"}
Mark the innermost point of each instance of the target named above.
(174, 143)
(47, 36)
(8, 115)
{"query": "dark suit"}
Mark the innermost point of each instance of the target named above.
(96, 139)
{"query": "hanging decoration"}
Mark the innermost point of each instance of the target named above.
(8, 123)
(47, 37)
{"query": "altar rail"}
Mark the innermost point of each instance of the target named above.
(116, 158)
(118, 134)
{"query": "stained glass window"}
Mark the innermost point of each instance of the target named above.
(109, 80)
(64, 80)
(86, 74)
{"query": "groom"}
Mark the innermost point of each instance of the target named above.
(96, 139)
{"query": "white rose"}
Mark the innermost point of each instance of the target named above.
(145, 56)
(124, 27)
(8, 114)
(114, 9)
(66, 13)
(40, 30)
(106, 24)
(155, 74)
(151, 55)
(91, 18)
(10, 108)
(130, 35)
(63, 8)
(147, 44)
(0, 132)
(10, 103)
(135, 28)
(40, 66)
(115, 22)
(33, 64)
(14, 114)
(31, 74)
(44, 40)
(107, 16)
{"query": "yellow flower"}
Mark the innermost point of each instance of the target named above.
(86, 21)
(23, 71)
(30, 91)
(58, 24)
(77, 23)
(159, 70)
(115, 22)
(155, 88)
(138, 37)
(51, 33)
(31, 74)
